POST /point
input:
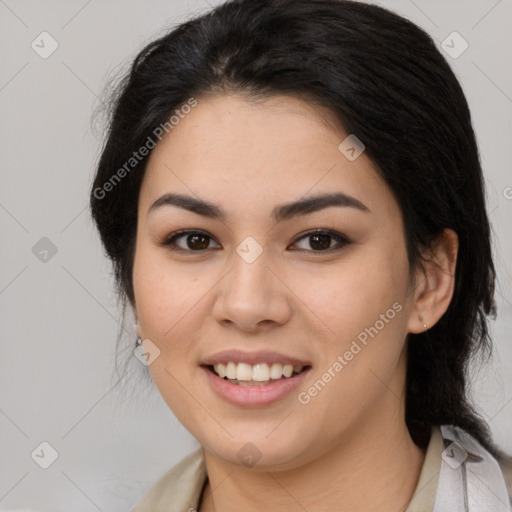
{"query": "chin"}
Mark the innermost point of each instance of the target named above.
(259, 451)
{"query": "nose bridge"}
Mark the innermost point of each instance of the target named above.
(249, 277)
(251, 294)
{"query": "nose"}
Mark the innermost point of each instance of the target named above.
(252, 296)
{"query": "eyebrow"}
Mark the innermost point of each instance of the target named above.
(280, 213)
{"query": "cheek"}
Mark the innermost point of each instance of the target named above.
(163, 294)
(165, 299)
(172, 302)
(352, 294)
(362, 306)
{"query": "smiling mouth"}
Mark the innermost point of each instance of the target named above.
(262, 374)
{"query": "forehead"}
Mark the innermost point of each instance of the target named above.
(245, 152)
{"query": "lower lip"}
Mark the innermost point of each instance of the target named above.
(253, 396)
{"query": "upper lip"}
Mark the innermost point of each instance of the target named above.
(252, 358)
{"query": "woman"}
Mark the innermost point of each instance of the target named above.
(291, 196)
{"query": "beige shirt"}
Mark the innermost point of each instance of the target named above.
(180, 489)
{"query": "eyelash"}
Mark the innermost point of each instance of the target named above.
(343, 241)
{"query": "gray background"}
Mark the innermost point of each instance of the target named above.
(60, 318)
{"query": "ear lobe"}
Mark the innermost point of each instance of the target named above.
(435, 282)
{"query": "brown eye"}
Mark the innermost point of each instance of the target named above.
(191, 241)
(320, 241)
(197, 242)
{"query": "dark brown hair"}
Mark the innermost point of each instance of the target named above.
(385, 81)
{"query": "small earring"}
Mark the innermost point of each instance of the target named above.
(424, 323)
(138, 341)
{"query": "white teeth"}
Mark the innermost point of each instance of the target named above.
(287, 370)
(261, 372)
(276, 371)
(244, 371)
(230, 370)
(221, 370)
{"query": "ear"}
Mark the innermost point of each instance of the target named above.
(434, 283)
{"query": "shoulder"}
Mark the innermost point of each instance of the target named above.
(180, 487)
(506, 468)
(493, 470)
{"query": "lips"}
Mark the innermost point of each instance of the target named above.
(250, 379)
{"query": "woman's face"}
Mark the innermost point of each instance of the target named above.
(253, 288)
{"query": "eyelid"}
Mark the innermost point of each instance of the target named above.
(343, 240)
(169, 240)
